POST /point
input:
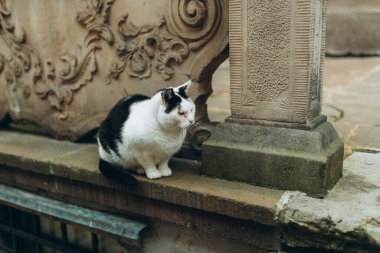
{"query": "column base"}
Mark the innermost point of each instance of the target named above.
(284, 158)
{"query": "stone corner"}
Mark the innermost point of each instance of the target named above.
(275, 157)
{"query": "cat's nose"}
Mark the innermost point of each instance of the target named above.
(191, 121)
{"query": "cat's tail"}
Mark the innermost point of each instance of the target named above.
(116, 173)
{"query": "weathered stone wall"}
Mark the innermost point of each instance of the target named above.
(166, 238)
(64, 64)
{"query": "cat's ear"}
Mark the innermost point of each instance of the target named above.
(166, 95)
(183, 89)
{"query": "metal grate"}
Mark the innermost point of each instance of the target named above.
(20, 233)
(23, 226)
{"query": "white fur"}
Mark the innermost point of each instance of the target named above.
(150, 136)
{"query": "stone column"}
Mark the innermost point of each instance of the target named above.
(276, 136)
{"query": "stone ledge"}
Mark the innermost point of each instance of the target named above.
(80, 162)
(254, 215)
(68, 171)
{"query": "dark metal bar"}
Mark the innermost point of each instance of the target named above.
(95, 243)
(38, 232)
(11, 222)
(97, 221)
(64, 233)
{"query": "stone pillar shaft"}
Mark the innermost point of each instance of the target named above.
(276, 57)
(276, 136)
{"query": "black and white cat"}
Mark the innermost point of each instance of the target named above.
(143, 133)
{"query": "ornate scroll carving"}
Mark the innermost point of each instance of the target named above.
(142, 47)
(195, 21)
(95, 20)
(199, 134)
(57, 88)
(48, 82)
(22, 56)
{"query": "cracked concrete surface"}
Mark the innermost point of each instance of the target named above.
(358, 100)
(348, 219)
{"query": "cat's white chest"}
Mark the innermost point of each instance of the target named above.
(143, 136)
(169, 144)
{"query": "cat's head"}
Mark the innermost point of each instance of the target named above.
(176, 108)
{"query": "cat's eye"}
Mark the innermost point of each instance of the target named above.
(181, 113)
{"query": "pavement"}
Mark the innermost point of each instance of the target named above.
(351, 100)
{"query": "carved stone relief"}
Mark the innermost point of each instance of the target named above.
(147, 47)
(195, 21)
(93, 53)
(268, 45)
(56, 86)
(276, 58)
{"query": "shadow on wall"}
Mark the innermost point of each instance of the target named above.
(219, 102)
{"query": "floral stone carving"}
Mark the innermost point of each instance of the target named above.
(54, 68)
(145, 47)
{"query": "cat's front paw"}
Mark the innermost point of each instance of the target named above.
(153, 174)
(165, 172)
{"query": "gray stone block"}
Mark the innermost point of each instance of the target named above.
(284, 158)
(353, 28)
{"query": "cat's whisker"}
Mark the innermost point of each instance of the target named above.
(194, 125)
(199, 119)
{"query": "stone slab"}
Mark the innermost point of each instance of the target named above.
(353, 28)
(59, 59)
(124, 201)
(80, 161)
(308, 161)
(347, 220)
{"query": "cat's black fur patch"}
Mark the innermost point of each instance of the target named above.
(110, 129)
(116, 173)
(182, 92)
(172, 99)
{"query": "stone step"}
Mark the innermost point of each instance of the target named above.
(353, 27)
